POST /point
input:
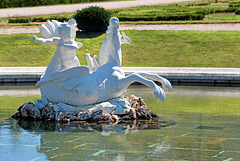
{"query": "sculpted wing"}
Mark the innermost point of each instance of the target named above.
(76, 78)
(65, 75)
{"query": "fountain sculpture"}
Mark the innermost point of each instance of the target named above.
(96, 92)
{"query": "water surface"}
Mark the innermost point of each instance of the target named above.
(207, 128)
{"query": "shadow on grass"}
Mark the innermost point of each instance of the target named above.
(85, 34)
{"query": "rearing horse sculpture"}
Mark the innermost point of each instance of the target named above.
(106, 80)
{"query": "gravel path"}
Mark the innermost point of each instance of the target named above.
(196, 27)
(43, 10)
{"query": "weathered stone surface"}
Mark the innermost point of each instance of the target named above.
(50, 112)
(28, 110)
(129, 108)
(139, 109)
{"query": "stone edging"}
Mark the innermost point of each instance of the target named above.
(180, 76)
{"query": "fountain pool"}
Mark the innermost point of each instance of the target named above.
(207, 128)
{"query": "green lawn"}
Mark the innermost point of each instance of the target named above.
(148, 48)
(223, 16)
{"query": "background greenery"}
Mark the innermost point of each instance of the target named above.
(190, 12)
(92, 19)
(28, 3)
(148, 48)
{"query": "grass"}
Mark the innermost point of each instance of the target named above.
(182, 49)
(179, 22)
(223, 16)
(176, 11)
(148, 48)
(214, 11)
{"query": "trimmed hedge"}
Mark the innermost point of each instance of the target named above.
(29, 3)
(19, 20)
(234, 6)
(199, 4)
(44, 19)
(183, 17)
(237, 12)
(171, 12)
(234, 3)
(37, 19)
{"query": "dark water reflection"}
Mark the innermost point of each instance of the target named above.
(104, 127)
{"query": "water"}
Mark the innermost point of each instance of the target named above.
(207, 128)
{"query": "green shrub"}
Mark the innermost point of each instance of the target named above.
(92, 19)
(37, 19)
(19, 20)
(199, 4)
(40, 19)
(237, 12)
(29, 3)
(169, 17)
(234, 3)
(231, 9)
(170, 12)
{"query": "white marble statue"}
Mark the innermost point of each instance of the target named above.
(112, 44)
(62, 34)
(66, 82)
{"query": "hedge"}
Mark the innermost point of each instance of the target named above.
(169, 12)
(29, 3)
(19, 20)
(37, 19)
(172, 12)
(234, 3)
(234, 6)
(170, 17)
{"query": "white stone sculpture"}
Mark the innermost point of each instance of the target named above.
(62, 34)
(69, 85)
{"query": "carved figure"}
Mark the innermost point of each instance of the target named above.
(62, 34)
(69, 83)
(112, 44)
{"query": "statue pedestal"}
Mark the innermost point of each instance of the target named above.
(113, 110)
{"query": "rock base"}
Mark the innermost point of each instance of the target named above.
(131, 108)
